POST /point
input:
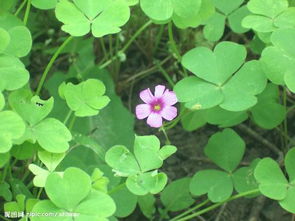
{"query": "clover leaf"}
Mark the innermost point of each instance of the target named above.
(44, 4)
(273, 183)
(31, 108)
(226, 150)
(269, 15)
(279, 59)
(86, 98)
(190, 13)
(227, 10)
(140, 167)
(268, 103)
(103, 17)
(16, 37)
(13, 74)
(220, 78)
(176, 195)
(51, 134)
(11, 127)
(66, 195)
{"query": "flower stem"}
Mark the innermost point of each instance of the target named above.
(27, 12)
(139, 31)
(189, 217)
(165, 74)
(49, 65)
(165, 134)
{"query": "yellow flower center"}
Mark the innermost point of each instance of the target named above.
(157, 107)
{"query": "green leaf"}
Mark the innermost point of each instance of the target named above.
(41, 175)
(214, 27)
(99, 182)
(289, 202)
(45, 206)
(103, 17)
(150, 182)
(52, 135)
(272, 182)
(269, 15)
(2, 101)
(216, 183)
(115, 15)
(66, 192)
(243, 178)
(50, 160)
(125, 202)
(4, 158)
(44, 4)
(11, 127)
(176, 195)
(183, 13)
(4, 39)
(24, 151)
(269, 8)
(224, 118)
(31, 108)
(268, 103)
(86, 98)
(148, 154)
(193, 120)
(13, 74)
(5, 191)
(88, 208)
(279, 60)
(216, 66)
(226, 149)
(289, 164)
(147, 205)
(227, 6)
(240, 90)
(20, 41)
(194, 18)
(235, 19)
(159, 10)
(122, 161)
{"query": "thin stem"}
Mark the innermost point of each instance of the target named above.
(139, 31)
(5, 172)
(4, 218)
(200, 212)
(39, 193)
(165, 134)
(285, 120)
(172, 42)
(72, 123)
(27, 12)
(22, 5)
(117, 188)
(165, 74)
(68, 117)
(49, 65)
(191, 210)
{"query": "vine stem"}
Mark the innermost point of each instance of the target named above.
(139, 31)
(165, 134)
(27, 12)
(49, 65)
(189, 217)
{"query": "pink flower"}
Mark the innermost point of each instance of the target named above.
(157, 106)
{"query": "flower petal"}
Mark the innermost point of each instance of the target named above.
(146, 95)
(159, 90)
(169, 97)
(169, 113)
(155, 120)
(142, 111)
